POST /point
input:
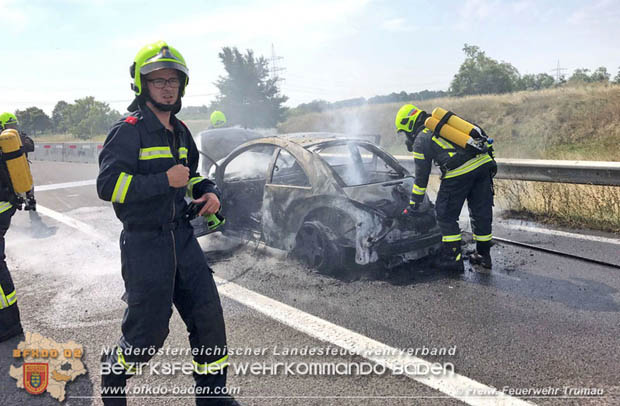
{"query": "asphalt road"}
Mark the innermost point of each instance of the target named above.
(536, 321)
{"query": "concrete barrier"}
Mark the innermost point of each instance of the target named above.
(82, 152)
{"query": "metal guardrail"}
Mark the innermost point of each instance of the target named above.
(539, 170)
(542, 170)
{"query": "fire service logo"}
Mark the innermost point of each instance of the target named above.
(36, 377)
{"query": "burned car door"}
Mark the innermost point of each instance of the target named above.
(241, 178)
(289, 186)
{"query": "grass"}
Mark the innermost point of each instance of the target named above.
(572, 123)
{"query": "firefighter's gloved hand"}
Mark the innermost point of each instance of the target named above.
(413, 208)
(493, 168)
(409, 142)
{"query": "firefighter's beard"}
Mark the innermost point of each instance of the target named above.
(174, 108)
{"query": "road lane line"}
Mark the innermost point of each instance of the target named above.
(457, 386)
(42, 188)
(71, 222)
(559, 233)
(454, 385)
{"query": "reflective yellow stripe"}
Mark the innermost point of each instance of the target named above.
(451, 238)
(11, 298)
(3, 301)
(444, 144)
(121, 360)
(182, 153)
(191, 183)
(458, 257)
(469, 166)
(212, 367)
(487, 237)
(154, 153)
(411, 202)
(121, 187)
(417, 190)
(4, 206)
(417, 155)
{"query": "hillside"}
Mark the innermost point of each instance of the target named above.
(564, 123)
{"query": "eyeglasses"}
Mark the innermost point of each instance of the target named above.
(161, 83)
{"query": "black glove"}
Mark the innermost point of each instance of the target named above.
(409, 142)
(493, 169)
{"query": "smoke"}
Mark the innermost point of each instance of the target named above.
(70, 273)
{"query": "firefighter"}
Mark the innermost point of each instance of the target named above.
(10, 325)
(8, 121)
(218, 119)
(147, 165)
(464, 176)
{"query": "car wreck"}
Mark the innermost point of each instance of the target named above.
(328, 199)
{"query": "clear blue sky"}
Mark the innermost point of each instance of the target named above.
(332, 50)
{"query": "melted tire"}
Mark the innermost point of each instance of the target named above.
(316, 247)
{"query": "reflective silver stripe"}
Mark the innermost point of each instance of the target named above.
(212, 367)
(11, 298)
(154, 153)
(443, 143)
(417, 155)
(3, 301)
(191, 183)
(469, 166)
(182, 153)
(4, 206)
(417, 190)
(121, 187)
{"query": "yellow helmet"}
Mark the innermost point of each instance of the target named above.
(6, 119)
(406, 117)
(218, 119)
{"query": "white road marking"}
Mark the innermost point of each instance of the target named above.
(559, 233)
(55, 186)
(454, 385)
(71, 222)
(457, 386)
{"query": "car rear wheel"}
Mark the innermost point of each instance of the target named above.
(315, 246)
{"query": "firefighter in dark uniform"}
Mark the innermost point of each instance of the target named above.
(465, 176)
(146, 167)
(8, 121)
(10, 324)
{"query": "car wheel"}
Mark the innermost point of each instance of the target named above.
(315, 246)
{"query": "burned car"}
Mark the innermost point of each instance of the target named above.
(328, 199)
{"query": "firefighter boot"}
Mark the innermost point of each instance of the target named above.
(482, 255)
(450, 258)
(112, 385)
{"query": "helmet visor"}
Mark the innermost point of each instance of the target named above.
(162, 64)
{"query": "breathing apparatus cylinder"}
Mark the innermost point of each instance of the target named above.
(455, 129)
(15, 159)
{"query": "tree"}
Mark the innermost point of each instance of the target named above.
(580, 75)
(600, 75)
(617, 78)
(33, 120)
(480, 74)
(60, 116)
(88, 117)
(536, 81)
(247, 95)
